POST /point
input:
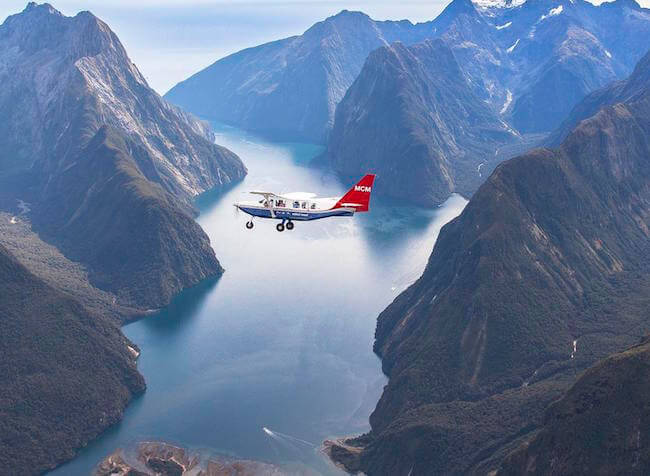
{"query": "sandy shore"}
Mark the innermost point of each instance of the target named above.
(159, 458)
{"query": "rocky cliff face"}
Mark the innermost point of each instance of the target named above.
(544, 272)
(97, 151)
(561, 51)
(66, 77)
(412, 117)
(67, 373)
(601, 425)
(618, 91)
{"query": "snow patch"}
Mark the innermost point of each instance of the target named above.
(505, 25)
(552, 12)
(512, 48)
(498, 3)
(508, 101)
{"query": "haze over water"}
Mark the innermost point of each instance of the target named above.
(284, 339)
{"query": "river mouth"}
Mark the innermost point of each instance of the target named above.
(283, 340)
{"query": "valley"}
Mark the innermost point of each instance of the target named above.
(262, 345)
(488, 316)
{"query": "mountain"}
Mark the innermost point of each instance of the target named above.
(601, 425)
(67, 373)
(288, 88)
(108, 167)
(544, 272)
(532, 60)
(411, 116)
(559, 51)
(470, 33)
(618, 91)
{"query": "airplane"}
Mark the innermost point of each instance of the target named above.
(299, 206)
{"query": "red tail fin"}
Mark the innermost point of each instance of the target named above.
(358, 197)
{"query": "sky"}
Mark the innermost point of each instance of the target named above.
(169, 40)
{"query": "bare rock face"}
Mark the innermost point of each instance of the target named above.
(412, 118)
(617, 91)
(109, 166)
(64, 78)
(559, 51)
(544, 272)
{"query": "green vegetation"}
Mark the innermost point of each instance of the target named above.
(601, 425)
(546, 271)
(67, 373)
(136, 241)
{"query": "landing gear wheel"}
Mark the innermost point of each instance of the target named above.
(290, 225)
(279, 227)
(249, 225)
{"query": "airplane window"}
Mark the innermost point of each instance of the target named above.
(304, 205)
(313, 206)
(296, 204)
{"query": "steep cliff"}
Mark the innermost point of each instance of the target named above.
(68, 86)
(411, 116)
(618, 91)
(544, 272)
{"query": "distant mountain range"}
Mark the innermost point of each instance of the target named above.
(531, 62)
(544, 272)
(559, 51)
(289, 88)
(105, 170)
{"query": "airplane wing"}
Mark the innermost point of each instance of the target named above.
(264, 194)
(267, 196)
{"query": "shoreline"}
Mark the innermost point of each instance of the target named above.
(342, 454)
(150, 458)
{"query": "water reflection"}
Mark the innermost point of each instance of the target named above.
(181, 310)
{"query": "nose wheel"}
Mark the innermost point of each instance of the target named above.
(249, 225)
(279, 227)
(289, 225)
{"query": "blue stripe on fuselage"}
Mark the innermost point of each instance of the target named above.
(297, 215)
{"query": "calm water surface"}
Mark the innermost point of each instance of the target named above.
(284, 339)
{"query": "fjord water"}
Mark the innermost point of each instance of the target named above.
(283, 339)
